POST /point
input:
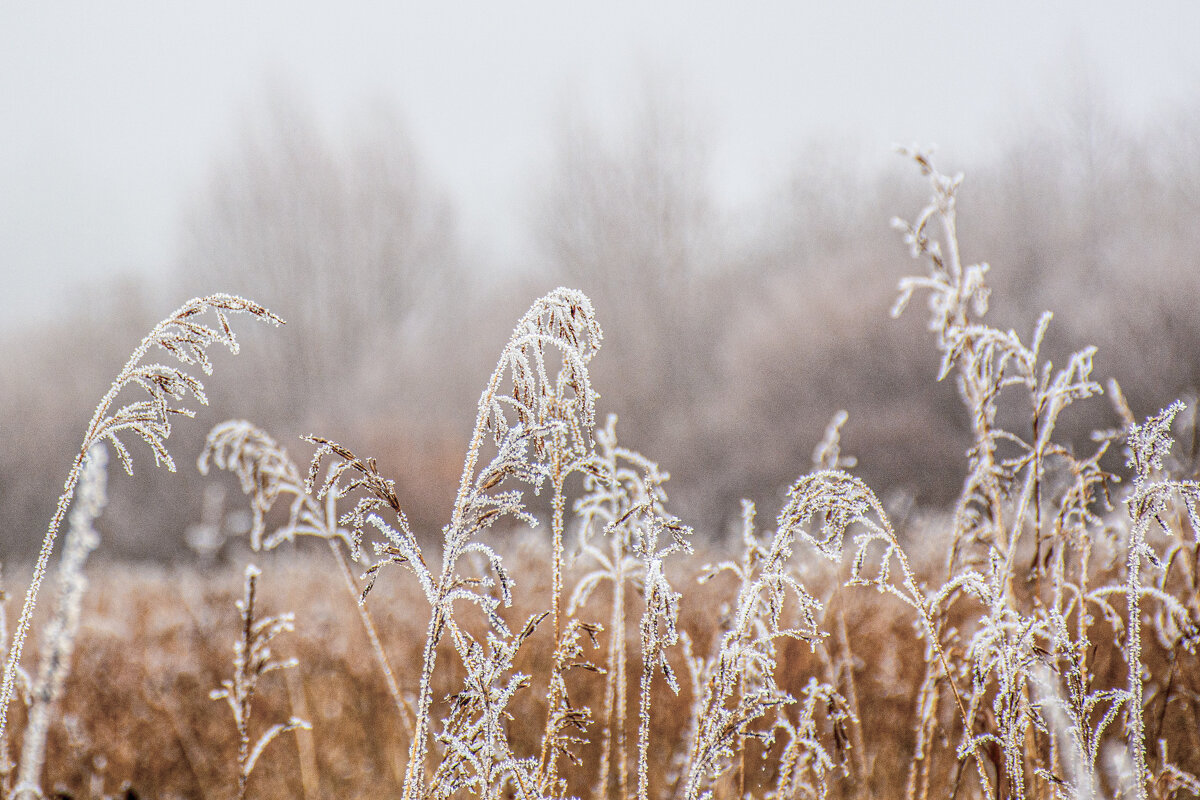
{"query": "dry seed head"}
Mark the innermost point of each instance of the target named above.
(563, 320)
(838, 500)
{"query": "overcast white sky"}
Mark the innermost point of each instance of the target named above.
(111, 112)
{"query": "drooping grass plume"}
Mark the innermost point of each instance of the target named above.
(182, 335)
(266, 472)
(840, 502)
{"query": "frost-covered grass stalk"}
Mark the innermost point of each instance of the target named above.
(617, 501)
(542, 431)
(7, 766)
(1019, 482)
(266, 472)
(252, 659)
(841, 502)
(548, 416)
(659, 624)
(182, 335)
(740, 685)
(58, 636)
(1149, 445)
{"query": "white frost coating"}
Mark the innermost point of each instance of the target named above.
(58, 637)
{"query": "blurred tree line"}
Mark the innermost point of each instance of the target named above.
(731, 338)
